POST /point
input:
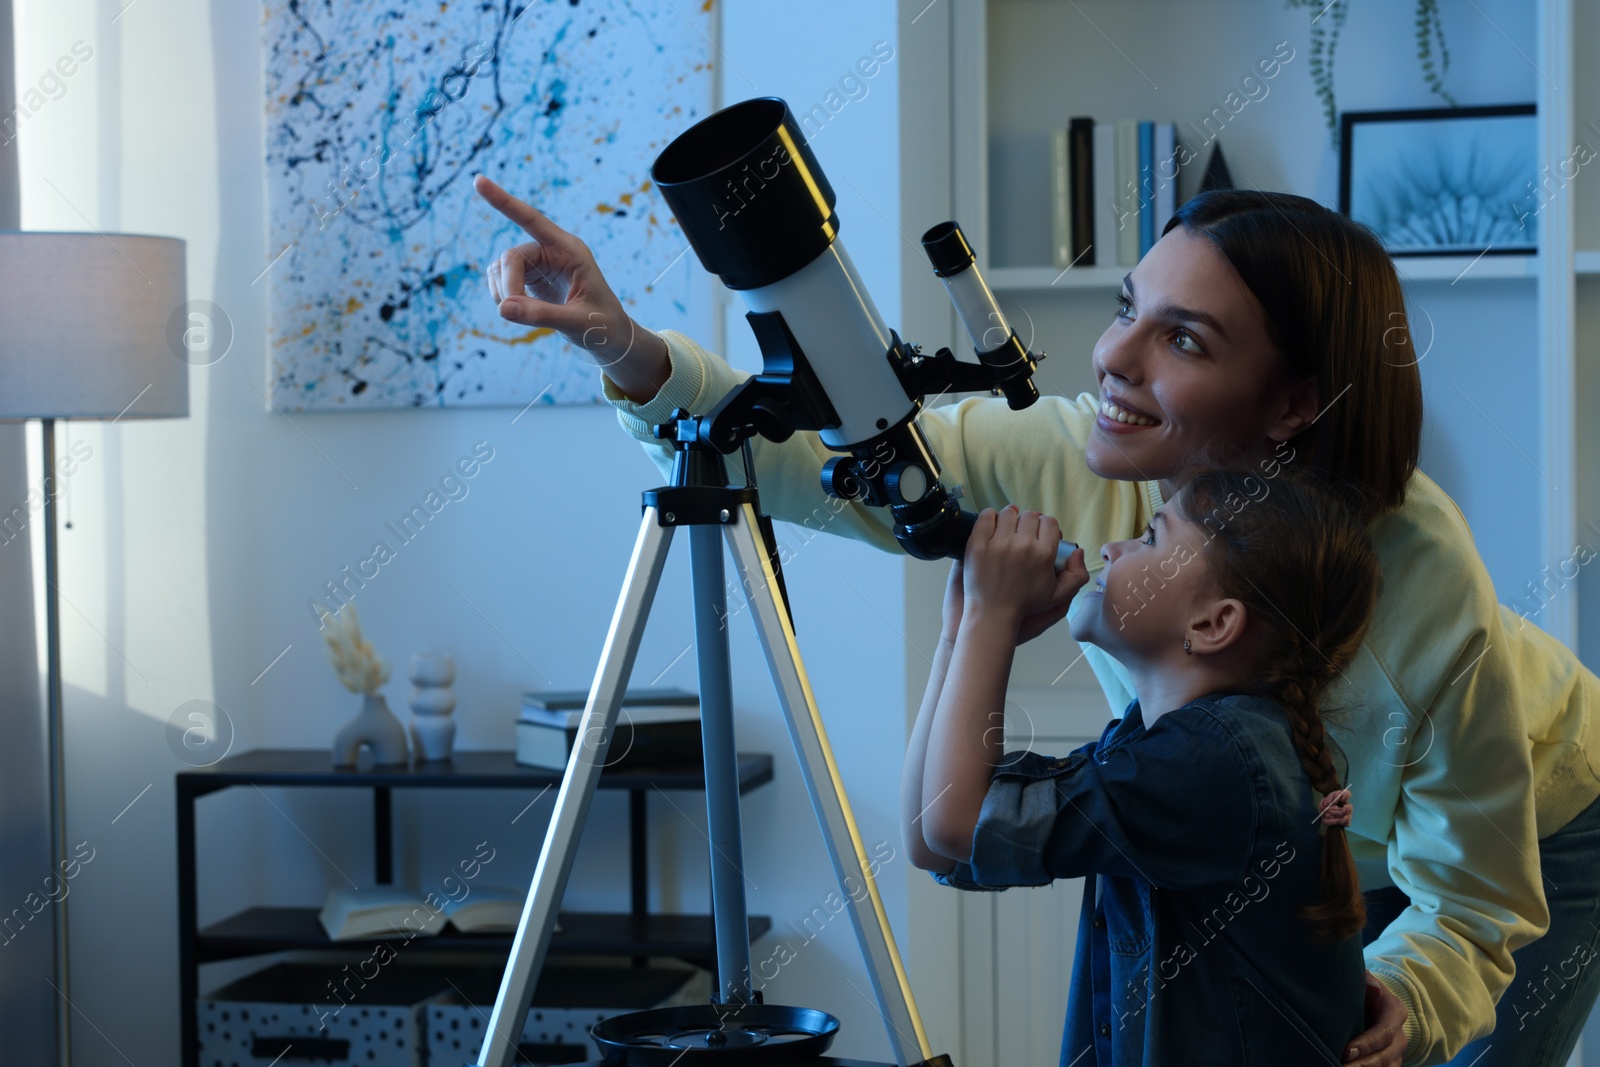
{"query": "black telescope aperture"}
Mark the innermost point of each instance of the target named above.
(748, 193)
(948, 249)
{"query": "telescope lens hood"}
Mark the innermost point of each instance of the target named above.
(748, 193)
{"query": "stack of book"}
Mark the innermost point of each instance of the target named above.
(1113, 186)
(655, 727)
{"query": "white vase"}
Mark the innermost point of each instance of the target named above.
(433, 731)
(376, 727)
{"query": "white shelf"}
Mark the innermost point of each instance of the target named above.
(1033, 279)
(1412, 268)
(1466, 268)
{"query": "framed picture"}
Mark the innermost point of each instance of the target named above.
(1445, 181)
(379, 114)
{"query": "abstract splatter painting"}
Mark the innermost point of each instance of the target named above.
(379, 114)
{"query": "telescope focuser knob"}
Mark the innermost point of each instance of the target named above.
(682, 429)
(840, 481)
(668, 431)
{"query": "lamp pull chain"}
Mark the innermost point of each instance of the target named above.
(67, 427)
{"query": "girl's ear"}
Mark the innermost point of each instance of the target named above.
(1216, 625)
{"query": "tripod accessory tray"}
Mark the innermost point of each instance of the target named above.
(740, 1035)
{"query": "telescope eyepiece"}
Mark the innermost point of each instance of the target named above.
(1020, 394)
(947, 249)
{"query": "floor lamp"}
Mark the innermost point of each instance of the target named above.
(92, 326)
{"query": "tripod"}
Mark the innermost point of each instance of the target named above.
(736, 1026)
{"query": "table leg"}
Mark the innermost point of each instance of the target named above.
(382, 835)
(639, 865)
(188, 965)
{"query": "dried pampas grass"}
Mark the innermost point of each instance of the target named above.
(352, 656)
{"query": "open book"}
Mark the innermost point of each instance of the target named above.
(396, 911)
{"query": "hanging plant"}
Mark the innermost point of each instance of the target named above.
(1430, 28)
(1328, 20)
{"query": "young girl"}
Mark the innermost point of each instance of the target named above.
(1221, 909)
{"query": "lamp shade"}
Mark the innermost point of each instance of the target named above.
(87, 326)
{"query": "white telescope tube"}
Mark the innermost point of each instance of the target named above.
(986, 324)
(832, 316)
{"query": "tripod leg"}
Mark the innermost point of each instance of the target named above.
(722, 766)
(532, 939)
(821, 774)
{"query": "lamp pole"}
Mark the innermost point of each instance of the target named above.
(55, 725)
(61, 358)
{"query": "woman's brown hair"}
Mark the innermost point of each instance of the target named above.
(1336, 312)
(1298, 557)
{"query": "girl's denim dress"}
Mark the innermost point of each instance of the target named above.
(1198, 839)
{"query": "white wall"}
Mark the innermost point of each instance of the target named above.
(195, 544)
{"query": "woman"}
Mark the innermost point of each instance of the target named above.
(1268, 328)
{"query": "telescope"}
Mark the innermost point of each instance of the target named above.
(758, 211)
(760, 214)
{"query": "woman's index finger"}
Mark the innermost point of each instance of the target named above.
(524, 214)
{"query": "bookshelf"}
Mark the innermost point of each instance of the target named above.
(1021, 68)
(1514, 356)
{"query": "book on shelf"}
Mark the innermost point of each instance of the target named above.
(564, 707)
(1105, 179)
(1113, 186)
(1061, 202)
(385, 911)
(1147, 187)
(1166, 174)
(487, 909)
(655, 727)
(1080, 160)
(378, 911)
(1072, 193)
(1126, 202)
